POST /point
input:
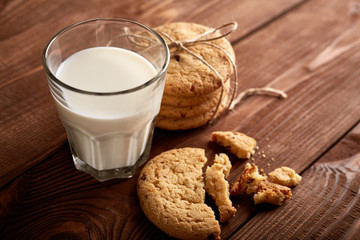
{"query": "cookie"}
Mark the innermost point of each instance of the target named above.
(171, 192)
(218, 188)
(186, 75)
(237, 143)
(188, 123)
(191, 111)
(179, 101)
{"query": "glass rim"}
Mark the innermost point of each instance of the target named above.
(134, 89)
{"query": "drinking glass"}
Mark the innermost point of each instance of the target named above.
(113, 136)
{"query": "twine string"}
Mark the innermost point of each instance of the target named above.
(209, 35)
(205, 38)
(252, 91)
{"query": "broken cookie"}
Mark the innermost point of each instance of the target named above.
(171, 193)
(272, 193)
(248, 182)
(253, 183)
(218, 188)
(237, 143)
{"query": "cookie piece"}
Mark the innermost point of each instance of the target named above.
(272, 193)
(253, 183)
(171, 193)
(186, 75)
(248, 181)
(218, 188)
(285, 176)
(237, 143)
(191, 122)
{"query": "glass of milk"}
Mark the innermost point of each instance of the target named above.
(107, 78)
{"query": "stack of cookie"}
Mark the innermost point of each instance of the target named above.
(192, 89)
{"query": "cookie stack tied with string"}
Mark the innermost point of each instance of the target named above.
(199, 84)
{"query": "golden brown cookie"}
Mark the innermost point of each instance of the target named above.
(192, 111)
(218, 188)
(191, 122)
(187, 76)
(179, 101)
(238, 143)
(171, 193)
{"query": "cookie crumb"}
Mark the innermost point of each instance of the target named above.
(285, 176)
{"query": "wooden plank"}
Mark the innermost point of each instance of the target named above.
(52, 199)
(313, 118)
(29, 126)
(326, 204)
(27, 26)
(55, 200)
(326, 100)
(29, 122)
(24, 38)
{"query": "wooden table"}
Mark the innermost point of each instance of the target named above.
(308, 48)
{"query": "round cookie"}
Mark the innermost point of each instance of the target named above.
(192, 111)
(178, 101)
(188, 123)
(187, 76)
(171, 193)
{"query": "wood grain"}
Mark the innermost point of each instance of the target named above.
(325, 204)
(56, 201)
(44, 197)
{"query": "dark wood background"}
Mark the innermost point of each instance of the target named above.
(315, 130)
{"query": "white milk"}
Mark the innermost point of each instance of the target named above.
(108, 132)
